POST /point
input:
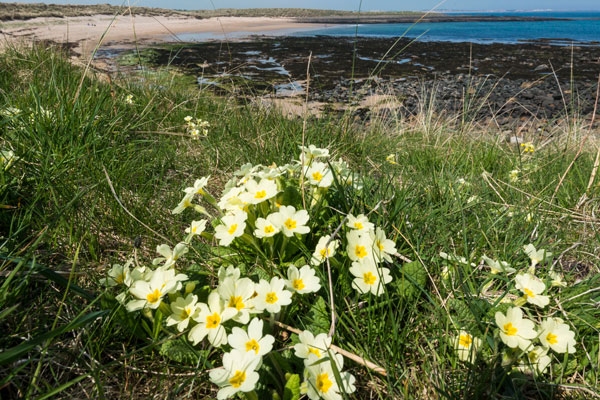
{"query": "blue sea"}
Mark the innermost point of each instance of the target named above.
(584, 28)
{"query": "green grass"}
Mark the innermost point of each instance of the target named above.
(61, 227)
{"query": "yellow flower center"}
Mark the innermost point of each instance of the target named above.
(271, 298)
(185, 313)
(324, 252)
(154, 296)
(298, 284)
(236, 302)
(509, 329)
(528, 293)
(360, 251)
(378, 243)
(252, 345)
(551, 338)
(358, 225)
(323, 382)
(120, 278)
(186, 203)
(269, 229)
(369, 278)
(317, 176)
(260, 195)
(465, 341)
(238, 379)
(212, 321)
(232, 229)
(290, 224)
(314, 351)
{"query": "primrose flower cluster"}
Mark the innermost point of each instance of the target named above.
(261, 215)
(196, 126)
(529, 334)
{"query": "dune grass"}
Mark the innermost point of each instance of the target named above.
(61, 226)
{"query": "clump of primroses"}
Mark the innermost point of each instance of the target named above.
(273, 215)
(529, 333)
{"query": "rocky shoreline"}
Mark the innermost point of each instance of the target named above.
(509, 84)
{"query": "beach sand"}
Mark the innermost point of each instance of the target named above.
(86, 32)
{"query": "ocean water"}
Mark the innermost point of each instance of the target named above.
(583, 28)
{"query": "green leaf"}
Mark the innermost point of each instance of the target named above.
(319, 316)
(292, 388)
(179, 351)
(412, 281)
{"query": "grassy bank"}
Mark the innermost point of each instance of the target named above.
(94, 177)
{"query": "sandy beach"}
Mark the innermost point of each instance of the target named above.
(86, 32)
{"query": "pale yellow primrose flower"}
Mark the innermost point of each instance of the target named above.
(369, 278)
(384, 248)
(537, 361)
(232, 226)
(129, 99)
(556, 279)
(7, 157)
(183, 204)
(237, 294)
(150, 293)
(229, 272)
(360, 223)
(291, 221)
(237, 375)
(310, 344)
(266, 227)
(199, 185)
(557, 335)
(210, 320)
(258, 192)
(196, 228)
(321, 253)
(321, 382)
(271, 296)
(312, 151)
(391, 159)
(169, 257)
(360, 247)
(532, 287)
(498, 267)
(514, 175)
(253, 341)
(302, 280)
(536, 256)
(455, 258)
(318, 174)
(182, 309)
(119, 275)
(466, 346)
(514, 330)
(188, 118)
(230, 201)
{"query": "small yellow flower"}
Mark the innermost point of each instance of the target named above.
(391, 159)
(527, 147)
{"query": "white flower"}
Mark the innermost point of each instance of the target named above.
(271, 296)
(252, 341)
(557, 335)
(514, 175)
(119, 275)
(258, 192)
(498, 266)
(232, 226)
(237, 294)
(537, 361)
(466, 346)
(183, 204)
(455, 258)
(391, 159)
(230, 201)
(266, 227)
(6, 158)
(302, 281)
(199, 185)
(150, 293)
(318, 174)
(556, 279)
(536, 256)
(360, 223)
(514, 330)
(310, 344)
(312, 151)
(532, 287)
(182, 309)
(383, 246)
(210, 320)
(237, 375)
(129, 99)
(291, 221)
(196, 228)
(321, 382)
(321, 253)
(369, 278)
(360, 247)
(230, 271)
(188, 118)
(169, 257)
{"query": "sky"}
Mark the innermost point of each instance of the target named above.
(380, 5)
